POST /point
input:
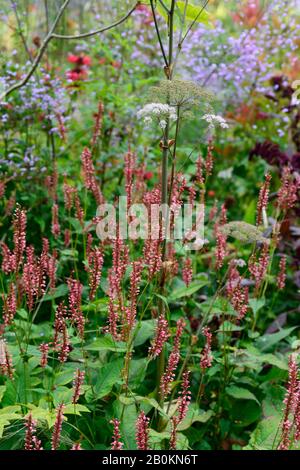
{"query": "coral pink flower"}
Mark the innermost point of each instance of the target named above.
(77, 384)
(95, 263)
(116, 443)
(31, 441)
(76, 446)
(75, 291)
(263, 198)
(89, 175)
(169, 374)
(56, 434)
(55, 227)
(220, 248)
(19, 229)
(237, 294)
(44, 349)
(185, 397)
(282, 273)
(9, 305)
(290, 402)
(6, 367)
(206, 356)
(288, 193)
(98, 124)
(162, 334)
(187, 272)
(258, 268)
(142, 432)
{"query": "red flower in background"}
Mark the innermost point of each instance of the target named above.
(80, 59)
(80, 71)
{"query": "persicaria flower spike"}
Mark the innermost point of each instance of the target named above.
(282, 273)
(56, 434)
(187, 272)
(263, 198)
(206, 356)
(77, 384)
(291, 402)
(44, 349)
(142, 432)
(116, 442)
(169, 374)
(162, 335)
(31, 441)
(185, 397)
(6, 367)
(19, 229)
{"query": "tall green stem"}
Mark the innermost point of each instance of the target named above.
(164, 196)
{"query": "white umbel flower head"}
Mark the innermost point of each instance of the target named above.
(213, 120)
(159, 111)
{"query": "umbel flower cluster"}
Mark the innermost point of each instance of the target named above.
(158, 111)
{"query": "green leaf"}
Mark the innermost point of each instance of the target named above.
(144, 331)
(195, 415)
(128, 422)
(187, 291)
(137, 371)
(109, 375)
(256, 305)
(137, 399)
(240, 393)
(60, 291)
(107, 343)
(2, 390)
(228, 326)
(75, 409)
(267, 341)
(65, 377)
(266, 435)
(194, 13)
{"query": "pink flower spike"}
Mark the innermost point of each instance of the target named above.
(116, 443)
